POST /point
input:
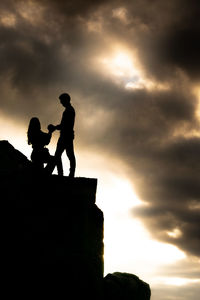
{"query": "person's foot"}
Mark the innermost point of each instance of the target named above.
(60, 175)
(71, 175)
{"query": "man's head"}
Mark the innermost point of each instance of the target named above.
(64, 99)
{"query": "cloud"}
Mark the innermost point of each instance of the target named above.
(164, 166)
(188, 291)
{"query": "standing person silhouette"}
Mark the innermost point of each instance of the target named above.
(65, 141)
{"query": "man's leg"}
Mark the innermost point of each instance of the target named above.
(71, 156)
(50, 165)
(59, 150)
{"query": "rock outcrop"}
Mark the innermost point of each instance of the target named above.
(125, 286)
(52, 239)
(12, 161)
(53, 231)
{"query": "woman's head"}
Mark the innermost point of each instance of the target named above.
(34, 127)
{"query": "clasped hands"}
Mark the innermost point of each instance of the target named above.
(51, 128)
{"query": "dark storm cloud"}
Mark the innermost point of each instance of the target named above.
(49, 50)
(46, 47)
(29, 54)
(77, 7)
(179, 43)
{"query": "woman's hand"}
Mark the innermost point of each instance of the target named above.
(51, 128)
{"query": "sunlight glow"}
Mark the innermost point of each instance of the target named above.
(134, 249)
(122, 61)
(121, 65)
(177, 281)
(175, 233)
(8, 20)
(118, 195)
(124, 69)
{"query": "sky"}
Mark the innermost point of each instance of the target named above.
(132, 69)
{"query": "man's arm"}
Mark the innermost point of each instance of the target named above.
(52, 127)
(58, 127)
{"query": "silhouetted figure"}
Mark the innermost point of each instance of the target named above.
(65, 141)
(39, 139)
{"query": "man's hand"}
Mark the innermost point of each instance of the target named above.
(51, 128)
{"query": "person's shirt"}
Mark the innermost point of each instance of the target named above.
(66, 126)
(40, 139)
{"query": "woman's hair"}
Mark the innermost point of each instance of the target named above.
(33, 128)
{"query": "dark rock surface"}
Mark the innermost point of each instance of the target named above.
(125, 286)
(11, 160)
(52, 240)
(52, 237)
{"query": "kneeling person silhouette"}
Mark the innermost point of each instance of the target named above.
(39, 139)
